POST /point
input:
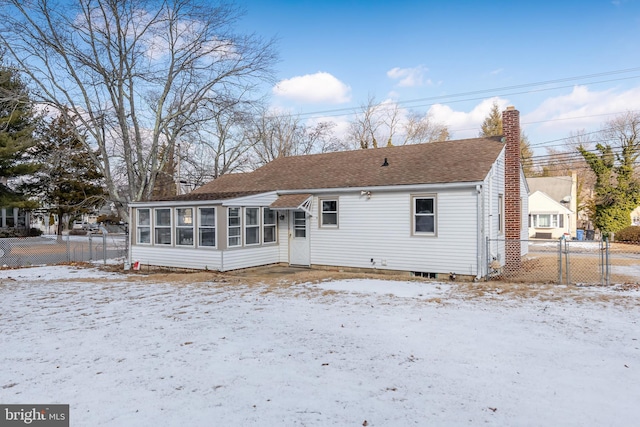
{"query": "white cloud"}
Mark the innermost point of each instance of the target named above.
(409, 77)
(320, 87)
(583, 108)
(463, 124)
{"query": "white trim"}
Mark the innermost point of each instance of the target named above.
(401, 188)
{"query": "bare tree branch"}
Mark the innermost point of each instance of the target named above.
(133, 74)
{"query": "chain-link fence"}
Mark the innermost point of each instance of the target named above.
(545, 261)
(563, 261)
(28, 251)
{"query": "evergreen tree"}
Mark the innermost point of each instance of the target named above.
(67, 181)
(17, 123)
(526, 155)
(492, 126)
(617, 190)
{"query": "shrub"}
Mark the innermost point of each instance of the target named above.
(10, 232)
(34, 232)
(630, 234)
(77, 232)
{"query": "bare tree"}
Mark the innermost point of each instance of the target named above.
(132, 73)
(364, 127)
(419, 128)
(388, 122)
(217, 146)
(282, 135)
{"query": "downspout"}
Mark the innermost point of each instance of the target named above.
(480, 232)
(130, 229)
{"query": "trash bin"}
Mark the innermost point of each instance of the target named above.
(580, 234)
(591, 234)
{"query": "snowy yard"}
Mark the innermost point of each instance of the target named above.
(129, 350)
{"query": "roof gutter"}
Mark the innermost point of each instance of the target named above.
(171, 203)
(409, 187)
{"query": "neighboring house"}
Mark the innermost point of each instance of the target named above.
(635, 216)
(553, 206)
(428, 209)
(14, 218)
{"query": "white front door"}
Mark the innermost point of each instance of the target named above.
(299, 239)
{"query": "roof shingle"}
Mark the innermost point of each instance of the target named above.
(466, 160)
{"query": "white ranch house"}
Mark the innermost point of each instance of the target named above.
(428, 209)
(553, 208)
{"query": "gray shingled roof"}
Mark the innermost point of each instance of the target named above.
(466, 160)
(556, 187)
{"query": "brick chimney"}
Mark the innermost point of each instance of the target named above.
(512, 205)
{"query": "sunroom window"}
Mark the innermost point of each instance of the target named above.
(144, 226)
(269, 226)
(163, 226)
(252, 226)
(184, 226)
(207, 227)
(234, 228)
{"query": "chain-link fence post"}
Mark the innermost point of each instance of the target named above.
(566, 259)
(601, 256)
(560, 262)
(608, 262)
(104, 244)
(68, 249)
(90, 246)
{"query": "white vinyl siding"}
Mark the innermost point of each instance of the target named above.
(183, 257)
(380, 229)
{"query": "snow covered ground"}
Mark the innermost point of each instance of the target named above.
(126, 350)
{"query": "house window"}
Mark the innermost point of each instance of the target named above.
(329, 213)
(546, 220)
(163, 226)
(269, 225)
(207, 227)
(424, 215)
(144, 226)
(234, 227)
(184, 226)
(252, 226)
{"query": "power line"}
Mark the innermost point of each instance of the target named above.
(337, 112)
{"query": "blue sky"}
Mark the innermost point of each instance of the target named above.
(454, 58)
